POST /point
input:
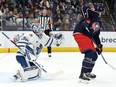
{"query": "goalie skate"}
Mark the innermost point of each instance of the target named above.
(17, 77)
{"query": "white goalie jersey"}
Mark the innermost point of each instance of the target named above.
(34, 43)
(30, 46)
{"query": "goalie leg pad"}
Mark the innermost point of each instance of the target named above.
(28, 73)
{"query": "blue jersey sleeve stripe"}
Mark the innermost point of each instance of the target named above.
(47, 41)
(51, 42)
(23, 42)
(21, 45)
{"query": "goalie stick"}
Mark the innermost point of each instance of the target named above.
(15, 43)
(102, 54)
(51, 75)
(38, 65)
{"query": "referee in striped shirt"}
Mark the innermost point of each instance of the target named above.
(45, 21)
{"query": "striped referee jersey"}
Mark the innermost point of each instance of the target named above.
(45, 22)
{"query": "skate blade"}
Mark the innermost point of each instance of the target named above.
(83, 81)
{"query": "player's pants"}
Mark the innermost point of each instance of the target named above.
(23, 62)
(84, 42)
(87, 47)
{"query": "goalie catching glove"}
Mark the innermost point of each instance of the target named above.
(99, 49)
(59, 37)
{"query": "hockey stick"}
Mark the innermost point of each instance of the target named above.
(104, 58)
(51, 75)
(40, 66)
(9, 38)
(107, 62)
(12, 41)
(102, 54)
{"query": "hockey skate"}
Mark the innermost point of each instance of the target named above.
(83, 79)
(17, 77)
(49, 55)
(90, 75)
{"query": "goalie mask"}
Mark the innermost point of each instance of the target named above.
(38, 30)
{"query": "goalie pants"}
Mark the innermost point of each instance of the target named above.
(23, 62)
(86, 46)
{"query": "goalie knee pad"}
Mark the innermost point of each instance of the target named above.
(22, 61)
(28, 73)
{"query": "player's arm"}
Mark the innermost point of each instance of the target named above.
(55, 40)
(99, 47)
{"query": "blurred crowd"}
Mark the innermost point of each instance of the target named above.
(64, 13)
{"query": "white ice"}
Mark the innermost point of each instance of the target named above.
(68, 62)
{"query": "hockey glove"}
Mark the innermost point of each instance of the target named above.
(59, 39)
(99, 49)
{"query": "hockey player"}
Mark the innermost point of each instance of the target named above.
(30, 46)
(46, 22)
(86, 33)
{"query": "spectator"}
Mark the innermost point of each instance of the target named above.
(37, 13)
(75, 20)
(69, 6)
(19, 22)
(1, 11)
(11, 19)
(115, 13)
(20, 7)
(33, 8)
(66, 23)
(15, 12)
(30, 20)
(58, 17)
(6, 13)
(45, 4)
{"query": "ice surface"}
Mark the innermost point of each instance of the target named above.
(68, 62)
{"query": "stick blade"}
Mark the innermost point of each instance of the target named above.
(54, 75)
(111, 66)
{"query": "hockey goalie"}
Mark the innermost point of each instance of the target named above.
(29, 48)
